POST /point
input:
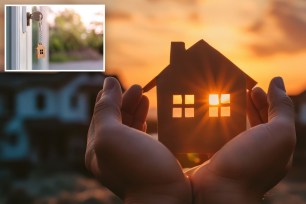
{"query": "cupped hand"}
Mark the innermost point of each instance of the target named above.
(257, 159)
(139, 169)
(124, 158)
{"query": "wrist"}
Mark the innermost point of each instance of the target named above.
(173, 193)
(222, 190)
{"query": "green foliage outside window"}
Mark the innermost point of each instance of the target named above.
(70, 40)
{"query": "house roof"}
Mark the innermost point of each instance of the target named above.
(250, 83)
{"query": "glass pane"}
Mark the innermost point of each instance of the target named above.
(189, 112)
(225, 98)
(71, 34)
(177, 99)
(225, 111)
(213, 99)
(189, 99)
(177, 112)
(213, 111)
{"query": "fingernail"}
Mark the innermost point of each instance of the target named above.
(109, 83)
(280, 83)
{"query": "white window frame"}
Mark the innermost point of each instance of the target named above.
(21, 36)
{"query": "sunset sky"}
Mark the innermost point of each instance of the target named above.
(88, 14)
(265, 38)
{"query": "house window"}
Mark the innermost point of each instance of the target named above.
(40, 101)
(74, 101)
(219, 105)
(183, 106)
(13, 139)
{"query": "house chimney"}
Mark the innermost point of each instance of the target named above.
(177, 52)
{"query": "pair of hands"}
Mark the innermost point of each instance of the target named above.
(140, 169)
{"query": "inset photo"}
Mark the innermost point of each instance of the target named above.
(54, 38)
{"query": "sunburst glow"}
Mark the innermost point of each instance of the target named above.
(213, 99)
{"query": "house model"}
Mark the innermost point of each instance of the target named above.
(40, 51)
(201, 99)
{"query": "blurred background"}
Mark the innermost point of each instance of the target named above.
(265, 38)
(75, 37)
(71, 34)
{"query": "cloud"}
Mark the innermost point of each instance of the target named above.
(194, 16)
(118, 15)
(281, 30)
(176, 1)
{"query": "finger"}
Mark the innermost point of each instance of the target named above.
(252, 112)
(108, 107)
(99, 95)
(281, 115)
(141, 113)
(89, 155)
(145, 127)
(259, 98)
(131, 99)
(280, 105)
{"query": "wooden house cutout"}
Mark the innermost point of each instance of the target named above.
(40, 51)
(201, 99)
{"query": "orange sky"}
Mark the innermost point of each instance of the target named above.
(265, 38)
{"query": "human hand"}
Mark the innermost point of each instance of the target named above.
(253, 162)
(124, 158)
(140, 169)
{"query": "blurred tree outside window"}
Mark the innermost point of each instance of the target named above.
(71, 41)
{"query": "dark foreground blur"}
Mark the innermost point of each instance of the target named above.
(71, 187)
(44, 120)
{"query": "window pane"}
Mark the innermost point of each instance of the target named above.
(74, 101)
(225, 111)
(177, 99)
(189, 99)
(213, 99)
(40, 101)
(225, 98)
(177, 112)
(213, 111)
(189, 112)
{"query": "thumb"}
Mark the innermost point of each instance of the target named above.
(280, 105)
(108, 106)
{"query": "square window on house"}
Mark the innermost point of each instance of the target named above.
(189, 99)
(177, 99)
(189, 112)
(213, 99)
(219, 105)
(213, 111)
(183, 106)
(177, 112)
(225, 111)
(225, 99)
